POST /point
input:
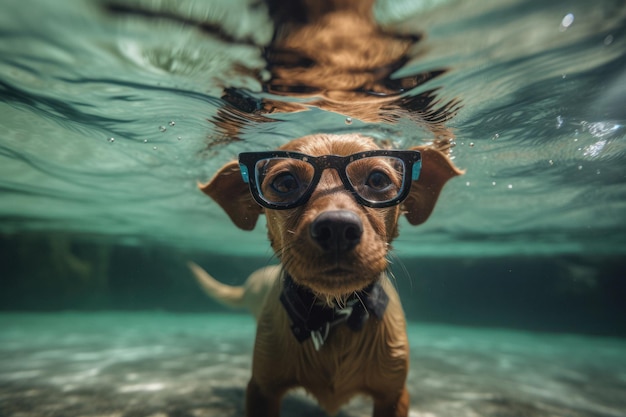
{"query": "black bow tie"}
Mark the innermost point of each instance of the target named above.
(310, 318)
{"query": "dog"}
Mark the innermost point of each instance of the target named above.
(328, 317)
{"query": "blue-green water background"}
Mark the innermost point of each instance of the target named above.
(106, 125)
(541, 131)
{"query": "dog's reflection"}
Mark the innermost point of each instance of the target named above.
(334, 56)
(326, 54)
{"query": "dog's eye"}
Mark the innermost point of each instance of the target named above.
(285, 183)
(378, 181)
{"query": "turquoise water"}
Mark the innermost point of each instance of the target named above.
(541, 130)
(111, 112)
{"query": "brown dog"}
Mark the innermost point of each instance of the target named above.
(329, 319)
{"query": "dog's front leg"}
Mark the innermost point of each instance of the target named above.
(261, 404)
(398, 407)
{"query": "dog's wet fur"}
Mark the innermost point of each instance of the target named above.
(373, 361)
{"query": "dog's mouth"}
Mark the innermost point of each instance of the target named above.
(335, 280)
(336, 271)
(338, 267)
(337, 274)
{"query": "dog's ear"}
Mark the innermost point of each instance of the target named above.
(233, 195)
(437, 169)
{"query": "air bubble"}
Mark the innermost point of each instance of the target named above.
(145, 141)
(509, 186)
(471, 144)
(111, 140)
(180, 138)
(162, 128)
(467, 184)
(155, 148)
(348, 120)
(580, 167)
(172, 123)
(493, 183)
(566, 22)
(559, 122)
(551, 162)
(496, 136)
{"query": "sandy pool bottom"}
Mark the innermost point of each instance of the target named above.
(157, 364)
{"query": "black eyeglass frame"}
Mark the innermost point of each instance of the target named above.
(412, 161)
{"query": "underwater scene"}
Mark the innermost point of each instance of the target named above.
(116, 114)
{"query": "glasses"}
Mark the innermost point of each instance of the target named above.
(282, 180)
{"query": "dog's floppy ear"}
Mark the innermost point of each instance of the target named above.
(437, 169)
(233, 195)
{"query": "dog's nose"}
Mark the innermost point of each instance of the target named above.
(338, 230)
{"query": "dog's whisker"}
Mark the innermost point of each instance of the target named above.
(282, 253)
(392, 278)
(403, 268)
(271, 257)
(356, 294)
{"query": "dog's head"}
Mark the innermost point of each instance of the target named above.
(331, 243)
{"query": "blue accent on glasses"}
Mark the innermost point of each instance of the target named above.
(244, 173)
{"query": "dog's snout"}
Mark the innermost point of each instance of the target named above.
(338, 230)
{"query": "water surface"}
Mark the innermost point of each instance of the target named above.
(108, 121)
